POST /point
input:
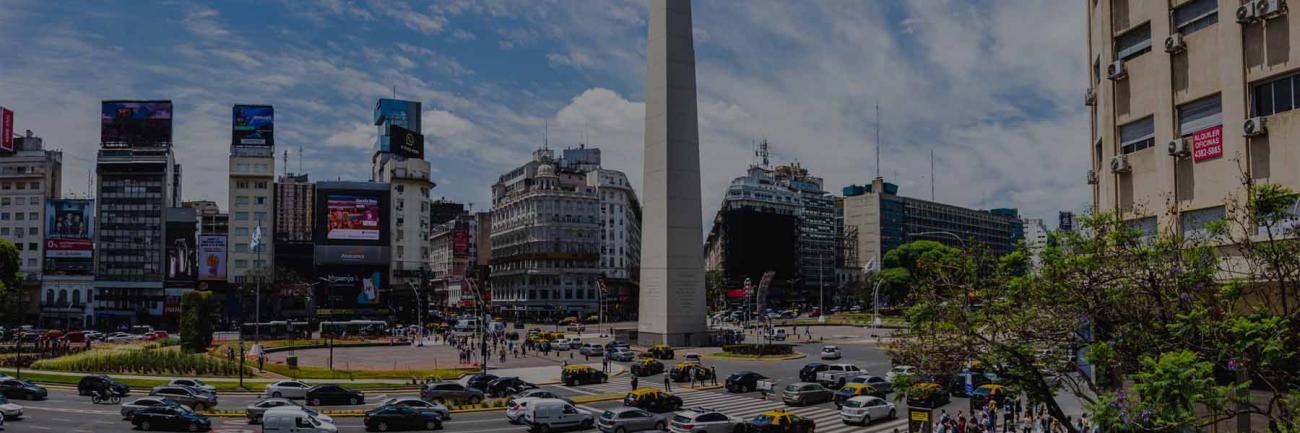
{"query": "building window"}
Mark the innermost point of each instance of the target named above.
(1199, 114)
(1146, 225)
(241, 184)
(261, 199)
(261, 185)
(32, 246)
(1137, 135)
(241, 199)
(1195, 222)
(1133, 43)
(1196, 15)
(1276, 95)
(241, 263)
(241, 216)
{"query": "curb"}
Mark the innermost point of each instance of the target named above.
(796, 355)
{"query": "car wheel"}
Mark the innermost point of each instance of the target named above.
(352, 401)
(660, 426)
(892, 414)
(144, 425)
(739, 428)
(586, 424)
(474, 399)
(620, 430)
(543, 428)
(194, 427)
(315, 402)
(432, 425)
(275, 394)
(866, 419)
(383, 426)
(198, 406)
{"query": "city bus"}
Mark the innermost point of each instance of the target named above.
(368, 328)
(277, 329)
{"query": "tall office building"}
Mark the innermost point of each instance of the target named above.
(30, 177)
(620, 232)
(252, 200)
(1035, 237)
(1176, 125)
(212, 221)
(294, 195)
(884, 220)
(399, 162)
(136, 176)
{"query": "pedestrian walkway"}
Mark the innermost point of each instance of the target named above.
(746, 407)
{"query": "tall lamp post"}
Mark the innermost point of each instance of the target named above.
(418, 313)
(480, 330)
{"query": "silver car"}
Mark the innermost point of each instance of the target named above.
(255, 410)
(129, 408)
(416, 403)
(802, 393)
(705, 420)
(540, 393)
(185, 395)
(621, 354)
(287, 389)
(193, 383)
(450, 391)
(628, 420)
(877, 383)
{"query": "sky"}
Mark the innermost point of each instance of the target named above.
(993, 88)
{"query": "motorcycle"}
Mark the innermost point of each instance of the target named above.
(105, 397)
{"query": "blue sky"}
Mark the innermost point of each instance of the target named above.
(994, 88)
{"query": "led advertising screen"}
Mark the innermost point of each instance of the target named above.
(406, 142)
(254, 125)
(6, 130)
(135, 124)
(212, 258)
(350, 286)
(69, 228)
(352, 217)
(182, 271)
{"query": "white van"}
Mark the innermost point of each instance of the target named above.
(466, 325)
(292, 419)
(545, 415)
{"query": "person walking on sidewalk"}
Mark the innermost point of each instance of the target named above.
(634, 382)
(668, 384)
(714, 370)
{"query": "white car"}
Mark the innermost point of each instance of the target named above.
(778, 334)
(831, 352)
(899, 370)
(563, 344)
(193, 383)
(517, 407)
(864, 409)
(287, 389)
(415, 402)
(9, 410)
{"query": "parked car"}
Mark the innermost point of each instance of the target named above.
(854, 390)
(862, 410)
(629, 420)
(87, 384)
(287, 389)
(174, 418)
(705, 420)
(592, 349)
(9, 410)
(540, 393)
(831, 352)
(693, 357)
(899, 370)
(582, 375)
(661, 351)
(397, 417)
(480, 381)
(647, 367)
(976, 379)
(504, 386)
(927, 394)
(22, 389)
(617, 344)
(193, 383)
(743, 381)
(652, 399)
(802, 393)
(879, 384)
(837, 375)
(444, 391)
(443, 412)
(562, 344)
(295, 419)
(185, 395)
(256, 410)
(129, 408)
(334, 394)
(780, 421)
(778, 334)
(542, 416)
(988, 392)
(808, 373)
(622, 354)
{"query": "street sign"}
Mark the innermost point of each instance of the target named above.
(918, 420)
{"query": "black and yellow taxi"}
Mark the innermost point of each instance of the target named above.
(988, 392)
(652, 399)
(780, 421)
(927, 394)
(647, 367)
(661, 351)
(683, 371)
(582, 375)
(853, 390)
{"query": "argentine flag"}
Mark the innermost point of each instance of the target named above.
(255, 245)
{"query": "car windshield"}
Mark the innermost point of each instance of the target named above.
(983, 391)
(682, 419)
(764, 419)
(313, 421)
(853, 403)
(607, 415)
(199, 383)
(3, 400)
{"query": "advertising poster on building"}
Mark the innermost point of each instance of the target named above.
(254, 125)
(352, 217)
(181, 252)
(406, 142)
(135, 123)
(172, 301)
(212, 258)
(350, 286)
(6, 130)
(460, 242)
(68, 228)
(1207, 143)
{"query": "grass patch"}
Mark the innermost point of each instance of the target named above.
(749, 356)
(324, 373)
(145, 384)
(142, 361)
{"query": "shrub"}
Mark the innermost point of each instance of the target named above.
(196, 323)
(758, 349)
(142, 362)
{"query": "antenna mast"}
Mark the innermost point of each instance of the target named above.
(299, 159)
(931, 174)
(285, 170)
(877, 139)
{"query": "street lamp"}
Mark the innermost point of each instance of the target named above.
(480, 330)
(941, 232)
(418, 314)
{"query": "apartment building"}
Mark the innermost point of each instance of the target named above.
(30, 177)
(1188, 97)
(294, 198)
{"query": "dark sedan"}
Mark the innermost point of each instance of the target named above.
(97, 382)
(22, 389)
(809, 372)
(398, 417)
(506, 386)
(173, 418)
(480, 381)
(743, 381)
(334, 394)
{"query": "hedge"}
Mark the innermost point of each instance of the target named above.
(759, 349)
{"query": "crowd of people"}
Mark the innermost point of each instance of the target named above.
(1011, 416)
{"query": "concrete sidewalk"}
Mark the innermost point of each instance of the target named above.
(538, 375)
(548, 375)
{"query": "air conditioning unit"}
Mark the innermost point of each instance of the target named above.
(1179, 148)
(1116, 71)
(1119, 164)
(1092, 177)
(1254, 127)
(1174, 44)
(1247, 13)
(1090, 97)
(1266, 9)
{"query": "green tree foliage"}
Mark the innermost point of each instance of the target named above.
(715, 286)
(196, 321)
(901, 266)
(10, 280)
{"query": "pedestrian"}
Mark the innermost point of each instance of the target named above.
(668, 384)
(634, 382)
(713, 370)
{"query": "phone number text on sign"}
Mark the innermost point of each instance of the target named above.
(1207, 143)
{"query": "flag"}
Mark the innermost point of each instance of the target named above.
(870, 266)
(255, 244)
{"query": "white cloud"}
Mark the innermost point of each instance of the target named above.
(463, 35)
(358, 136)
(202, 21)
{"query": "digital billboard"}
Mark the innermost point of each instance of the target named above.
(253, 125)
(69, 228)
(212, 258)
(6, 130)
(352, 217)
(182, 271)
(460, 242)
(406, 142)
(350, 286)
(135, 123)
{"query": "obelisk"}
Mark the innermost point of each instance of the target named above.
(672, 307)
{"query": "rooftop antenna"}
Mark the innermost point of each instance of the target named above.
(90, 182)
(299, 159)
(763, 152)
(931, 174)
(877, 139)
(286, 163)
(394, 91)
(546, 134)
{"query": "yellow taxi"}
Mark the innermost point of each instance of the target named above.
(780, 421)
(853, 390)
(988, 392)
(652, 399)
(684, 370)
(661, 351)
(582, 375)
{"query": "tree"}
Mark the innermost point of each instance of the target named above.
(900, 266)
(715, 287)
(197, 309)
(10, 280)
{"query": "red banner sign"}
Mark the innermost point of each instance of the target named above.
(68, 248)
(736, 293)
(1207, 143)
(459, 242)
(6, 130)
